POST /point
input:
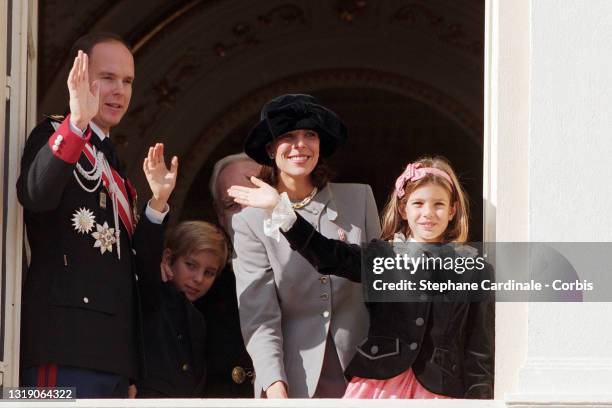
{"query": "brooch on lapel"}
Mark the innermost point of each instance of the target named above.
(83, 221)
(341, 234)
(105, 237)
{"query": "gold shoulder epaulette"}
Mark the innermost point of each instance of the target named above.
(55, 118)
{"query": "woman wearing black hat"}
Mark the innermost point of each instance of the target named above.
(300, 329)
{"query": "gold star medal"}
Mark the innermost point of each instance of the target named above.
(105, 237)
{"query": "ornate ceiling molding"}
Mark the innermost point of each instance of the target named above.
(59, 28)
(454, 33)
(214, 133)
(175, 39)
(192, 62)
(196, 59)
(247, 34)
(349, 10)
(159, 27)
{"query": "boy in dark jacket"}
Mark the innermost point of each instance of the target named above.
(194, 252)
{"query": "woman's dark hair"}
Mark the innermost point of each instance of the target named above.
(88, 41)
(320, 176)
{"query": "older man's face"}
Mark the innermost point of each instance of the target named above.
(234, 174)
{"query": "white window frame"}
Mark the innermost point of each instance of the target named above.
(3, 96)
(505, 184)
(20, 92)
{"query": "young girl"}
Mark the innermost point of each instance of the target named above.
(413, 350)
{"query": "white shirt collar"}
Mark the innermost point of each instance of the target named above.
(96, 129)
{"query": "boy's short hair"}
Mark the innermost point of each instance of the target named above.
(193, 236)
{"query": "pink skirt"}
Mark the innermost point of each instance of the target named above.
(404, 385)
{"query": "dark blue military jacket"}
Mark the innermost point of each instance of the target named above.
(80, 304)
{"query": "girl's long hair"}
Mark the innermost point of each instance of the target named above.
(393, 215)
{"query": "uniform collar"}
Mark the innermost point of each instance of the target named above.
(96, 129)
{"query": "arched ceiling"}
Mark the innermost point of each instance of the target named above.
(203, 67)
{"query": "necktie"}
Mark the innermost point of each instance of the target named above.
(106, 147)
(110, 152)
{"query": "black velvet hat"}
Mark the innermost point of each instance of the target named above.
(291, 112)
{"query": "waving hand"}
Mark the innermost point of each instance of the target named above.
(84, 99)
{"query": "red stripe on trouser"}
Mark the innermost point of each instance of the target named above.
(42, 376)
(52, 375)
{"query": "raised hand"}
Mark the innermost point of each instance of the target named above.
(161, 180)
(166, 271)
(262, 196)
(84, 99)
(167, 274)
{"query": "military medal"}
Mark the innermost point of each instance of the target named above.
(102, 200)
(105, 237)
(102, 173)
(83, 221)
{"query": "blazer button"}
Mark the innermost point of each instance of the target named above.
(419, 321)
(324, 296)
(238, 375)
(325, 314)
(413, 346)
(323, 279)
(374, 349)
(85, 300)
(185, 367)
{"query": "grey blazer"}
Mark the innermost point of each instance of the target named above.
(286, 307)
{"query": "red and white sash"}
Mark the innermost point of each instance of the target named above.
(124, 207)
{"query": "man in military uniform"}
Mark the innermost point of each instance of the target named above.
(80, 314)
(230, 370)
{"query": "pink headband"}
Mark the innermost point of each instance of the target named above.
(415, 172)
